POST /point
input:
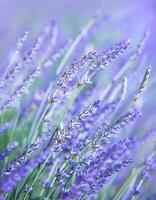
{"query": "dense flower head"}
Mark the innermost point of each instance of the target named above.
(92, 181)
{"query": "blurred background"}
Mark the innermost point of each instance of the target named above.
(121, 19)
(128, 17)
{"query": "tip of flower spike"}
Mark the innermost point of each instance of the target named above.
(149, 69)
(52, 99)
(12, 145)
(127, 43)
(143, 83)
(50, 26)
(97, 103)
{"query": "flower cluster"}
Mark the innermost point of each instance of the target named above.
(88, 125)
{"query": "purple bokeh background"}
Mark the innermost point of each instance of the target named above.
(16, 14)
(130, 18)
(127, 19)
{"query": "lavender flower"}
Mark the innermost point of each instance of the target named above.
(95, 61)
(72, 142)
(27, 81)
(40, 142)
(109, 55)
(143, 84)
(105, 133)
(4, 127)
(10, 181)
(22, 40)
(93, 179)
(145, 175)
(76, 66)
(10, 147)
(140, 46)
(124, 120)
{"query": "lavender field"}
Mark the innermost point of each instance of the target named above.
(78, 100)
